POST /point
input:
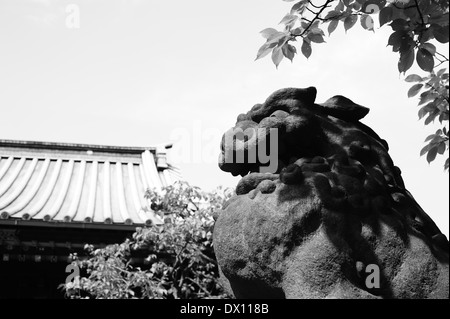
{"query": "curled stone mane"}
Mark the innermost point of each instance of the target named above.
(334, 205)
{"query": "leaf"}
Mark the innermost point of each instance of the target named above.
(428, 96)
(264, 50)
(289, 19)
(299, 7)
(440, 72)
(306, 49)
(279, 39)
(385, 15)
(349, 22)
(367, 22)
(425, 60)
(406, 60)
(317, 31)
(441, 148)
(332, 14)
(297, 31)
(439, 18)
(430, 118)
(432, 154)
(396, 39)
(277, 56)
(340, 6)
(269, 32)
(399, 24)
(429, 47)
(425, 149)
(439, 137)
(316, 38)
(332, 26)
(422, 112)
(413, 78)
(274, 37)
(289, 51)
(356, 6)
(426, 35)
(430, 137)
(440, 33)
(406, 43)
(442, 106)
(414, 89)
(413, 14)
(430, 107)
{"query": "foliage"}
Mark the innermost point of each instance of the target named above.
(180, 256)
(417, 25)
(434, 104)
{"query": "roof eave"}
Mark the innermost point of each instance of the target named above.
(80, 147)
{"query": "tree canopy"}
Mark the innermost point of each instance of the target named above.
(419, 27)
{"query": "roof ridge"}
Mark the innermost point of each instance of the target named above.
(83, 147)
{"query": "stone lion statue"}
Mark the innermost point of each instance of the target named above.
(333, 219)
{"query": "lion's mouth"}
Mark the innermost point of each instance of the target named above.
(295, 173)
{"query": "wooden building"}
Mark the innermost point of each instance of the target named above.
(55, 198)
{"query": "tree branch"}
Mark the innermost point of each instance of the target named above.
(207, 258)
(440, 62)
(317, 16)
(442, 56)
(313, 12)
(420, 12)
(318, 7)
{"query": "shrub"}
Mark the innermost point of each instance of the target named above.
(179, 263)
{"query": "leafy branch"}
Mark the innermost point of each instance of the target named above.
(415, 36)
(317, 15)
(434, 102)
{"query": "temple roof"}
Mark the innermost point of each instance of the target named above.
(80, 184)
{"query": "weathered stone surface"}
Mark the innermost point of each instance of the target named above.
(341, 107)
(335, 206)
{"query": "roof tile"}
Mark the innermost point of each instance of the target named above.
(66, 183)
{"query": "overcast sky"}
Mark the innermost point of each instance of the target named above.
(140, 73)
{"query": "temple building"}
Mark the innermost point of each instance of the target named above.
(55, 198)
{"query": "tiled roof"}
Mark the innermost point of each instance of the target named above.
(75, 183)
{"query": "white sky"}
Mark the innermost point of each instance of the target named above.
(139, 73)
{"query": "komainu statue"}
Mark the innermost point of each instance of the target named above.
(332, 217)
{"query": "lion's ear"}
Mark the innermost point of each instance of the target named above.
(345, 109)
